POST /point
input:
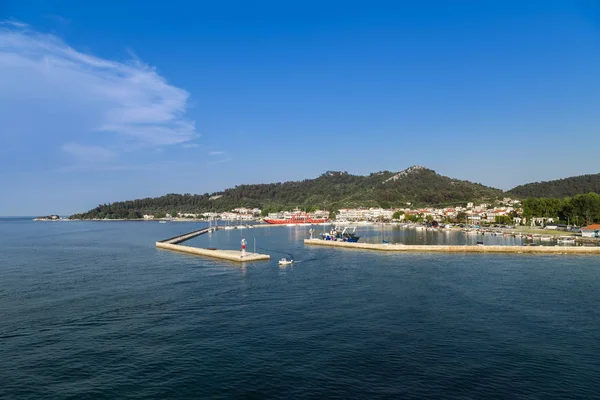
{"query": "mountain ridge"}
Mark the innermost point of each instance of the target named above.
(416, 185)
(559, 188)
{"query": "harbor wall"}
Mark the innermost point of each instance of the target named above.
(231, 255)
(456, 248)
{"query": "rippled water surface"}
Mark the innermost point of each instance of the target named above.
(93, 310)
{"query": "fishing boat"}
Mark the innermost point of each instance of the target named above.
(344, 235)
(285, 261)
(297, 218)
(349, 236)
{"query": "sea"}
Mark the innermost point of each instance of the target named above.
(92, 310)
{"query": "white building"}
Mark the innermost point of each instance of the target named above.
(591, 231)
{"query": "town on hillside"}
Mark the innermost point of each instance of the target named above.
(505, 211)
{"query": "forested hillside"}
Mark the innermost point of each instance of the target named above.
(332, 190)
(559, 188)
(581, 209)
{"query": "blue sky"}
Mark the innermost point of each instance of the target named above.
(128, 99)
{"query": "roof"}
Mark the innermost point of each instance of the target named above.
(593, 227)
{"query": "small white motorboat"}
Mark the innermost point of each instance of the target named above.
(566, 241)
(284, 261)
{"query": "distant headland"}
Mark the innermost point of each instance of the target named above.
(52, 217)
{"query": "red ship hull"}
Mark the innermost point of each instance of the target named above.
(296, 219)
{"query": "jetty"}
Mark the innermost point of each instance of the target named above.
(424, 248)
(173, 244)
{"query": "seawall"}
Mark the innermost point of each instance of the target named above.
(231, 255)
(456, 249)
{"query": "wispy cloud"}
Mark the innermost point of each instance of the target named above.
(85, 99)
(219, 161)
(12, 23)
(215, 153)
(190, 145)
(58, 18)
(89, 154)
(120, 167)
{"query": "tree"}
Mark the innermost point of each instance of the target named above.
(461, 216)
(397, 215)
(502, 219)
(133, 215)
(412, 217)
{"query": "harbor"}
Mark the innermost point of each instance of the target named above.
(427, 248)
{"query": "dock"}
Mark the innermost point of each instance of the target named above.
(397, 247)
(173, 244)
(187, 236)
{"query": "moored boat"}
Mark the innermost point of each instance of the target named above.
(344, 235)
(297, 218)
(565, 240)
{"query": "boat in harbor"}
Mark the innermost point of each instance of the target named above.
(285, 261)
(565, 240)
(297, 218)
(344, 235)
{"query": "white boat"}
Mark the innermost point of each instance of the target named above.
(565, 241)
(284, 261)
(162, 222)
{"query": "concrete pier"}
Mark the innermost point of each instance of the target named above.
(187, 236)
(456, 249)
(231, 255)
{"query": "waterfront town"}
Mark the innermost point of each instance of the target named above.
(507, 211)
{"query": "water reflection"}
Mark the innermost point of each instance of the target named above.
(262, 238)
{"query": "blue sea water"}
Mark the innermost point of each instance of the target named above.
(94, 310)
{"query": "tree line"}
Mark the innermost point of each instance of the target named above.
(581, 209)
(560, 188)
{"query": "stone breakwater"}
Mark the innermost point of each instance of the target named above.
(456, 249)
(231, 255)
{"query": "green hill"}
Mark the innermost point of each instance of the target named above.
(559, 188)
(419, 186)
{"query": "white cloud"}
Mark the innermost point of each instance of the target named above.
(80, 98)
(215, 153)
